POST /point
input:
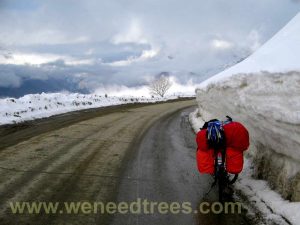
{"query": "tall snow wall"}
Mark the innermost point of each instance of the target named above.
(269, 106)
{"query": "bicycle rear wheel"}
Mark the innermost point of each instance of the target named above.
(220, 187)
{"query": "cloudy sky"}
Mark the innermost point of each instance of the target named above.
(86, 45)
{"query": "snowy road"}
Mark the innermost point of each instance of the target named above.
(120, 153)
(162, 168)
(70, 158)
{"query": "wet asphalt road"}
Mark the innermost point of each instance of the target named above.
(162, 168)
(113, 154)
(71, 158)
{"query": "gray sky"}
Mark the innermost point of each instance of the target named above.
(95, 42)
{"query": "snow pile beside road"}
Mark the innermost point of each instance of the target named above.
(196, 120)
(268, 104)
(273, 207)
(35, 106)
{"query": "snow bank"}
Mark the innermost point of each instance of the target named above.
(273, 207)
(196, 120)
(35, 106)
(267, 103)
(263, 92)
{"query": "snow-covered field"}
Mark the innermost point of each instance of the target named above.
(263, 92)
(34, 106)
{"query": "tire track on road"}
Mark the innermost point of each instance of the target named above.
(54, 165)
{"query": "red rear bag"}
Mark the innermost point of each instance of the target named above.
(237, 141)
(205, 156)
(237, 136)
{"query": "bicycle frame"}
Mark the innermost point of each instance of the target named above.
(221, 175)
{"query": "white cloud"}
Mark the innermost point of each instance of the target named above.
(74, 62)
(122, 90)
(28, 58)
(20, 58)
(132, 34)
(146, 55)
(178, 88)
(221, 44)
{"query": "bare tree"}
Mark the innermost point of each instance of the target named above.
(160, 86)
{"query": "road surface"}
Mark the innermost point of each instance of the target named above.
(162, 168)
(115, 154)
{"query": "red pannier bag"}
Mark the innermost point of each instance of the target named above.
(237, 141)
(234, 160)
(205, 156)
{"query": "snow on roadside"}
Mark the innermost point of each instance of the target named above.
(272, 206)
(270, 203)
(195, 120)
(34, 106)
